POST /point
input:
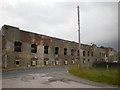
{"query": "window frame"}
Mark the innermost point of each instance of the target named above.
(56, 50)
(92, 53)
(88, 53)
(65, 51)
(72, 52)
(83, 53)
(46, 49)
(17, 46)
(16, 63)
(34, 48)
(78, 52)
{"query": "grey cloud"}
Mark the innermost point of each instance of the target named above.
(98, 20)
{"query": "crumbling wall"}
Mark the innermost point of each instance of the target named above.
(25, 58)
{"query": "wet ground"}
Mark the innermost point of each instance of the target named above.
(48, 77)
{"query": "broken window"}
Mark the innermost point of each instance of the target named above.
(57, 62)
(73, 62)
(72, 52)
(46, 62)
(17, 62)
(46, 49)
(65, 62)
(17, 46)
(96, 60)
(88, 53)
(65, 51)
(83, 53)
(92, 53)
(56, 50)
(88, 60)
(33, 48)
(34, 63)
(83, 60)
(106, 55)
(78, 52)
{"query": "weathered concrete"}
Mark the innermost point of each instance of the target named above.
(26, 58)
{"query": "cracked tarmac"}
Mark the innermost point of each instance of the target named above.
(54, 79)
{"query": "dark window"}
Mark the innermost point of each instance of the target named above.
(106, 55)
(88, 53)
(33, 48)
(83, 60)
(17, 62)
(88, 60)
(78, 52)
(96, 59)
(101, 54)
(72, 52)
(65, 51)
(102, 59)
(92, 53)
(83, 53)
(17, 46)
(46, 61)
(56, 50)
(46, 49)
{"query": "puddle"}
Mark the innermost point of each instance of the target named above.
(40, 75)
(27, 78)
(61, 80)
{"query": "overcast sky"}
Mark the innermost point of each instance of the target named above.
(98, 20)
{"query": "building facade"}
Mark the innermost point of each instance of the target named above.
(22, 49)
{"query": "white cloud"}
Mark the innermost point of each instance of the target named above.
(99, 21)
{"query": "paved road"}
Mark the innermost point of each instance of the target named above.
(35, 70)
(47, 77)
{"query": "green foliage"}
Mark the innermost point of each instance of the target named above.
(101, 64)
(96, 74)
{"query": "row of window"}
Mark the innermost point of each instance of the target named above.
(84, 60)
(34, 63)
(72, 52)
(103, 54)
(18, 46)
(88, 60)
(88, 53)
(65, 51)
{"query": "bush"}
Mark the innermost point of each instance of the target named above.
(104, 64)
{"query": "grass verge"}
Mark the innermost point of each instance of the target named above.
(96, 74)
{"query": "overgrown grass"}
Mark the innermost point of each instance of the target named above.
(96, 74)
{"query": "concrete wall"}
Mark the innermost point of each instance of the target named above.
(26, 58)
